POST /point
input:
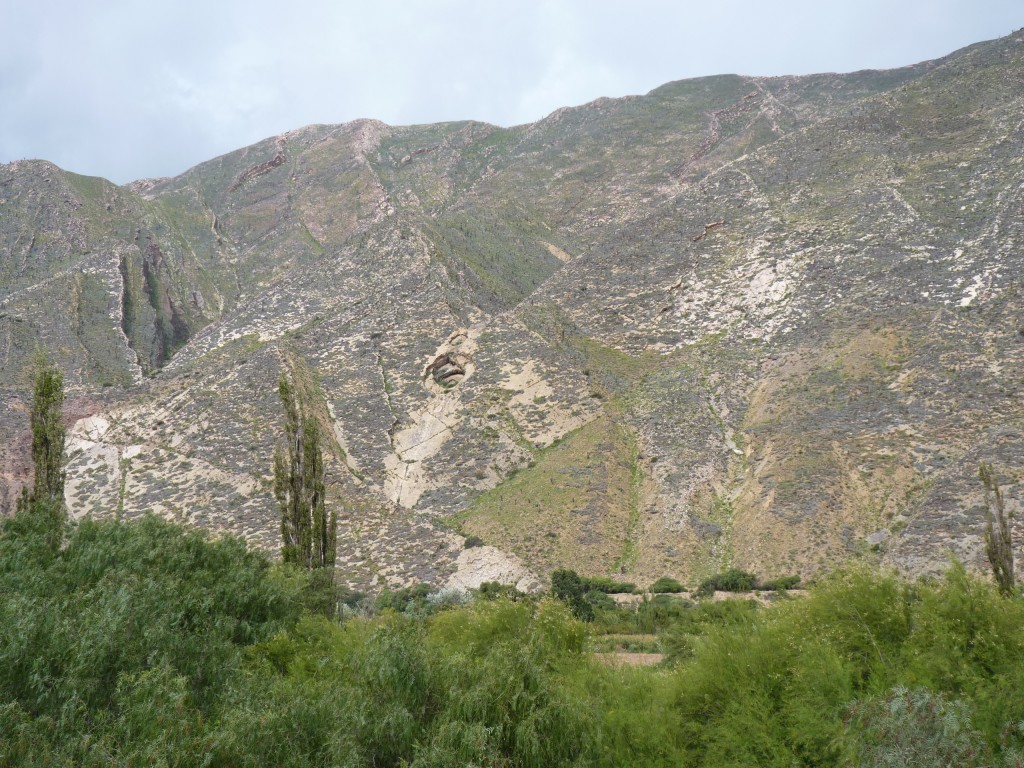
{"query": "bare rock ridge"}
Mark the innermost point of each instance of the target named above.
(764, 322)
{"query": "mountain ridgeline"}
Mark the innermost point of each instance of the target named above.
(769, 323)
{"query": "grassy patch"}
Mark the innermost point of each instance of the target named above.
(572, 508)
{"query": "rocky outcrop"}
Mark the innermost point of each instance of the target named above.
(479, 565)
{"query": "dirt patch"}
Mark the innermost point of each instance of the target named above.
(622, 659)
(557, 252)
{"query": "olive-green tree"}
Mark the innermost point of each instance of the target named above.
(46, 499)
(48, 434)
(998, 540)
(568, 587)
(308, 533)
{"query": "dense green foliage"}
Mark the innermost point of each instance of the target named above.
(608, 586)
(583, 594)
(124, 620)
(567, 586)
(492, 590)
(731, 580)
(46, 499)
(47, 420)
(666, 585)
(915, 728)
(781, 584)
(140, 644)
(736, 580)
(413, 599)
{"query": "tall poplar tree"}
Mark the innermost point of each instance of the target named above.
(48, 435)
(998, 536)
(46, 501)
(308, 533)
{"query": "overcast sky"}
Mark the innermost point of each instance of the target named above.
(131, 88)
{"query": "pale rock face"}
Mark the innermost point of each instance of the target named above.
(433, 425)
(91, 461)
(477, 565)
(90, 429)
(431, 428)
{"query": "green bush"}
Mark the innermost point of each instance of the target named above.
(915, 728)
(661, 612)
(665, 585)
(321, 593)
(492, 590)
(599, 600)
(405, 600)
(758, 690)
(568, 587)
(472, 541)
(121, 598)
(608, 586)
(781, 584)
(680, 635)
(732, 580)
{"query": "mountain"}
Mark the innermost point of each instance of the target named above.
(764, 322)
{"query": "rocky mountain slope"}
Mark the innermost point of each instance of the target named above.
(764, 322)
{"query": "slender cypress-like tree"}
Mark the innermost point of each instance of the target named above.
(46, 501)
(48, 435)
(998, 540)
(308, 533)
(47, 421)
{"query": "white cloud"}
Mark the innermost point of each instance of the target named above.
(126, 88)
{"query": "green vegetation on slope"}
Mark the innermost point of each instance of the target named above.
(572, 507)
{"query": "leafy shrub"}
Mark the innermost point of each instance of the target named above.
(504, 701)
(608, 586)
(915, 727)
(680, 636)
(351, 598)
(661, 612)
(865, 616)
(321, 593)
(759, 691)
(568, 587)
(405, 600)
(492, 590)
(447, 597)
(472, 541)
(965, 637)
(123, 598)
(732, 580)
(781, 584)
(599, 599)
(665, 585)
(141, 644)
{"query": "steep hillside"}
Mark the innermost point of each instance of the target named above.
(765, 322)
